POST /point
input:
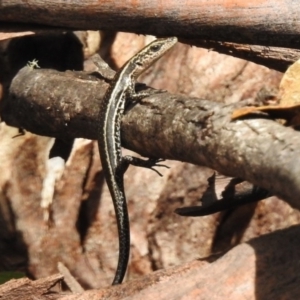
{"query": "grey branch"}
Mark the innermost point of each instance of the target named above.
(177, 127)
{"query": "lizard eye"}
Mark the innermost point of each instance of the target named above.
(155, 48)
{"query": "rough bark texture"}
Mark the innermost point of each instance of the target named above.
(163, 126)
(210, 24)
(77, 227)
(220, 20)
(256, 274)
(26, 289)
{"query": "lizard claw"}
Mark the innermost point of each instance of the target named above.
(154, 163)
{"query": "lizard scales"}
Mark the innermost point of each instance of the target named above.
(122, 87)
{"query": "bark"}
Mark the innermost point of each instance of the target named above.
(39, 289)
(220, 20)
(208, 24)
(267, 158)
(276, 58)
(256, 273)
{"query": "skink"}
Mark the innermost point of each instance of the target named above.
(121, 89)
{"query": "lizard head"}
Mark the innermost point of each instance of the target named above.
(152, 52)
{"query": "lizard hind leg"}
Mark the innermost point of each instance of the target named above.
(139, 162)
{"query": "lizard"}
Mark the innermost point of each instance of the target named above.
(114, 165)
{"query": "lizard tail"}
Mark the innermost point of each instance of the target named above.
(124, 237)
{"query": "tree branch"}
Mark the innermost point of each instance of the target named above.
(220, 20)
(277, 58)
(168, 126)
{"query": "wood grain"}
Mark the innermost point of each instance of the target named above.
(272, 22)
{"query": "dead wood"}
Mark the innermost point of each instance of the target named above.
(27, 289)
(71, 282)
(220, 20)
(261, 269)
(208, 25)
(277, 58)
(165, 126)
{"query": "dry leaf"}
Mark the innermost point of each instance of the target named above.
(289, 99)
